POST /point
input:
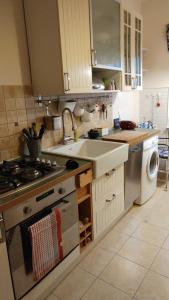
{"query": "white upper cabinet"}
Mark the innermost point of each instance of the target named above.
(59, 46)
(131, 33)
(105, 34)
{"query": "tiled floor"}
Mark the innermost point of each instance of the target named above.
(131, 262)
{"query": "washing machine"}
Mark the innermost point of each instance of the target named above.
(150, 164)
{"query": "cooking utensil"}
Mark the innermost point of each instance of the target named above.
(26, 133)
(87, 116)
(93, 134)
(31, 132)
(34, 130)
(78, 111)
(41, 131)
(106, 111)
(127, 125)
(103, 110)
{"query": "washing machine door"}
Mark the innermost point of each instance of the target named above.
(153, 164)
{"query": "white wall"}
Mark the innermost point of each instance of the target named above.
(127, 105)
(156, 60)
(14, 66)
(133, 5)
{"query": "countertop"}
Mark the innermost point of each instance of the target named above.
(131, 137)
(126, 136)
(36, 187)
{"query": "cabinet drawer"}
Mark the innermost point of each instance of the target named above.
(108, 212)
(105, 186)
(84, 178)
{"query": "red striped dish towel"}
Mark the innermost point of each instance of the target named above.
(46, 237)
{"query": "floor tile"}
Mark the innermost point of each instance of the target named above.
(113, 241)
(124, 274)
(101, 290)
(154, 287)
(96, 261)
(127, 224)
(139, 252)
(159, 217)
(161, 263)
(52, 297)
(151, 234)
(166, 244)
(74, 285)
(141, 212)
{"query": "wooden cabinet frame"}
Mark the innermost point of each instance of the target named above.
(84, 200)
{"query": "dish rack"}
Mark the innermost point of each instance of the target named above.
(163, 149)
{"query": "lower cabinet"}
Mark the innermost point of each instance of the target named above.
(108, 199)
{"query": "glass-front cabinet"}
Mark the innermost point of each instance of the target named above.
(138, 52)
(105, 34)
(127, 68)
(132, 50)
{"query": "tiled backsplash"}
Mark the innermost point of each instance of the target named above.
(154, 107)
(18, 110)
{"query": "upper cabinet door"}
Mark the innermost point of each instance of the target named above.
(132, 50)
(138, 51)
(105, 34)
(75, 44)
(58, 34)
(127, 49)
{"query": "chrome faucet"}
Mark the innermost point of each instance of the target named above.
(67, 139)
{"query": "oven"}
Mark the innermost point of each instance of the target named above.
(19, 219)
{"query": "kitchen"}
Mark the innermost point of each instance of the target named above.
(65, 71)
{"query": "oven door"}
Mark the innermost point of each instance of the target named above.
(19, 242)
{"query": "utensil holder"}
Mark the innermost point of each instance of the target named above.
(34, 147)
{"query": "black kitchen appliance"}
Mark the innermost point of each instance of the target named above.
(19, 173)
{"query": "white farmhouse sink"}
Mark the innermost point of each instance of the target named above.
(104, 155)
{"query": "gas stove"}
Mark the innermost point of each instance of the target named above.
(21, 172)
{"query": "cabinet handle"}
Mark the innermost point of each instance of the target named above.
(93, 55)
(110, 200)
(108, 174)
(2, 231)
(67, 79)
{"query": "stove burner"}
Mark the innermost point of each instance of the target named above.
(20, 172)
(30, 174)
(5, 185)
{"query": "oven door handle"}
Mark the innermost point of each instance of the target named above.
(2, 231)
(64, 204)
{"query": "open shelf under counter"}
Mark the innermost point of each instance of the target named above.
(82, 199)
(85, 227)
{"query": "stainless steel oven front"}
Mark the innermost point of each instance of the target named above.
(18, 220)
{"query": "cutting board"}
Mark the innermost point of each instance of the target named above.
(127, 136)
